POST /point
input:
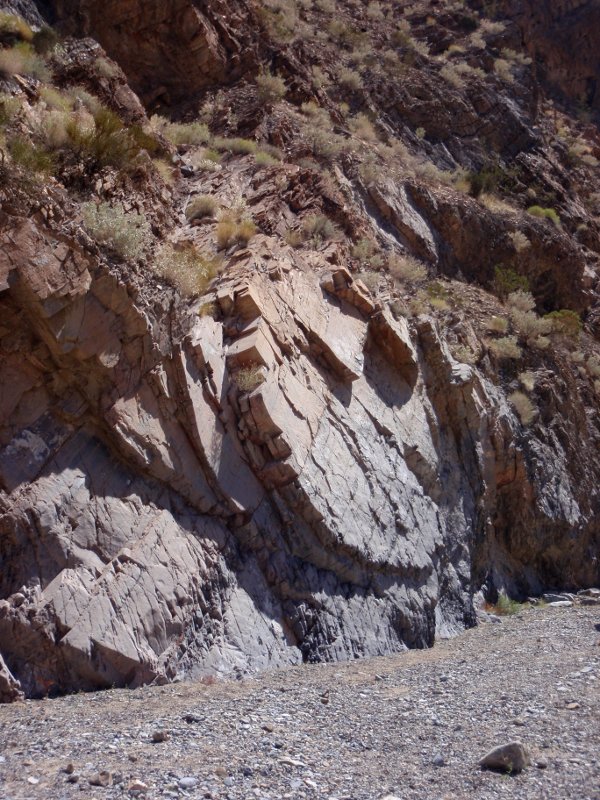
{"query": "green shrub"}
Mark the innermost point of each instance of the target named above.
(566, 322)
(189, 270)
(271, 88)
(29, 156)
(544, 213)
(12, 25)
(108, 142)
(45, 40)
(127, 233)
(505, 606)
(506, 280)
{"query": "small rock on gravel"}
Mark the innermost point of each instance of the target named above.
(510, 757)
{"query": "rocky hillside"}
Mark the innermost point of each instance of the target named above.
(299, 328)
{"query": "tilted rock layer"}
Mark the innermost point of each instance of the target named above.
(300, 474)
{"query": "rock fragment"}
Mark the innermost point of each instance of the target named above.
(509, 757)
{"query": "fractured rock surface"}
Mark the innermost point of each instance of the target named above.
(157, 521)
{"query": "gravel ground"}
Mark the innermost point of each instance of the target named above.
(412, 725)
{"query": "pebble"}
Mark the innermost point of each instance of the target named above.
(438, 760)
(188, 783)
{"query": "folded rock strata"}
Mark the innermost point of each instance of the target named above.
(156, 520)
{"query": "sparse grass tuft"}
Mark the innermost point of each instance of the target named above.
(497, 324)
(505, 606)
(13, 25)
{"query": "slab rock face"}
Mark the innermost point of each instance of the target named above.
(171, 48)
(157, 520)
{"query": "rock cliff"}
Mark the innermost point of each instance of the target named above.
(327, 450)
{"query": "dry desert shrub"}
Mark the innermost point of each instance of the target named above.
(127, 233)
(188, 269)
(523, 406)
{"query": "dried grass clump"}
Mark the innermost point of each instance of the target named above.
(527, 379)
(203, 205)
(520, 241)
(240, 147)
(361, 126)
(319, 227)
(127, 233)
(367, 253)
(520, 301)
(350, 79)
(189, 270)
(523, 406)
(248, 378)
(497, 325)
(407, 269)
(230, 232)
(181, 133)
